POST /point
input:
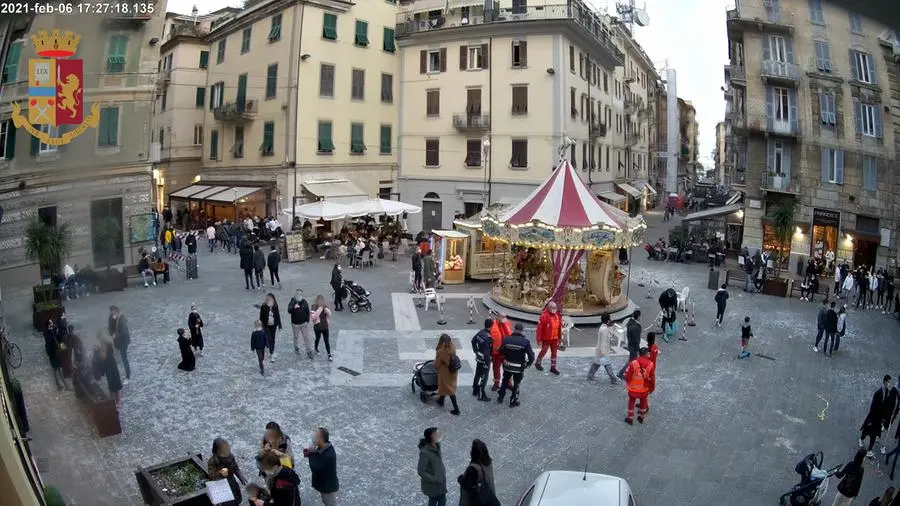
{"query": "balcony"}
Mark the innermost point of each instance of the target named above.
(597, 130)
(781, 183)
(769, 18)
(468, 123)
(779, 72)
(163, 79)
(736, 74)
(236, 112)
(631, 139)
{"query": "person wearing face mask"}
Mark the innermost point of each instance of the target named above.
(283, 482)
(298, 308)
(323, 466)
(337, 284)
(549, 330)
(223, 465)
(195, 323)
(270, 316)
(431, 469)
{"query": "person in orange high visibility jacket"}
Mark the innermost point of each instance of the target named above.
(501, 328)
(549, 331)
(640, 379)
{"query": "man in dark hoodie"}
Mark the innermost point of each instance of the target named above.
(273, 261)
(820, 323)
(721, 299)
(481, 345)
(323, 467)
(284, 484)
(298, 308)
(259, 265)
(633, 336)
(247, 265)
(431, 469)
(191, 242)
(831, 324)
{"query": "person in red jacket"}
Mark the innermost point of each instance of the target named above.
(652, 347)
(501, 328)
(640, 379)
(549, 331)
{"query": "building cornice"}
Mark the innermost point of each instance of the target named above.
(179, 39)
(636, 48)
(264, 10)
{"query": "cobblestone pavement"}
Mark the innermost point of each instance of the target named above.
(721, 430)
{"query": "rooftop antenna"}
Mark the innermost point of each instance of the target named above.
(632, 15)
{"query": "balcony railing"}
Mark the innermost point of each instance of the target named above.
(737, 72)
(769, 15)
(631, 139)
(780, 71)
(471, 122)
(781, 183)
(598, 130)
(236, 111)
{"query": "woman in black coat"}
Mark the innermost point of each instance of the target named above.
(337, 284)
(246, 256)
(270, 317)
(52, 341)
(188, 362)
(104, 364)
(195, 323)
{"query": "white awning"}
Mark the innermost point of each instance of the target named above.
(232, 194)
(631, 190)
(713, 212)
(208, 193)
(652, 190)
(613, 197)
(193, 189)
(335, 190)
(733, 199)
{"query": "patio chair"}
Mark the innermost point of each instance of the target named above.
(366, 258)
(431, 296)
(356, 260)
(682, 299)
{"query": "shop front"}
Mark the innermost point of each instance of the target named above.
(633, 205)
(614, 199)
(450, 248)
(826, 225)
(865, 239)
(205, 202)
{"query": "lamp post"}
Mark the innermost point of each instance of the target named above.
(485, 164)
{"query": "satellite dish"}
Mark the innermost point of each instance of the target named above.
(641, 18)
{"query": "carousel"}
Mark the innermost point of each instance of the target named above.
(563, 246)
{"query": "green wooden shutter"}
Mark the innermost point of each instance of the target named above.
(35, 146)
(275, 30)
(271, 80)
(10, 151)
(329, 27)
(241, 91)
(389, 44)
(357, 144)
(204, 59)
(268, 146)
(11, 68)
(102, 128)
(111, 119)
(115, 57)
(326, 144)
(214, 145)
(362, 34)
(385, 144)
(200, 99)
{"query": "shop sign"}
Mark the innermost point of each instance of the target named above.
(826, 217)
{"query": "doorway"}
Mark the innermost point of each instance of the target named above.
(432, 212)
(865, 251)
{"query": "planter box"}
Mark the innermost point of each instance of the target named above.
(153, 489)
(45, 293)
(111, 281)
(101, 408)
(777, 287)
(40, 313)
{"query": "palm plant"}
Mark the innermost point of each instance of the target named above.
(783, 224)
(47, 245)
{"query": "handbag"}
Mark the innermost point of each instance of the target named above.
(455, 363)
(484, 493)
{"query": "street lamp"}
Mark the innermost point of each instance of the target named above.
(486, 164)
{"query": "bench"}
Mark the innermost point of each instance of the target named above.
(824, 289)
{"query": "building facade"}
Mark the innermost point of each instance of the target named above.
(688, 133)
(719, 155)
(104, 173)
(809, 100)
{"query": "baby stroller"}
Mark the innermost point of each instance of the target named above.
(813, 482)
(425, 376)
(357, 297)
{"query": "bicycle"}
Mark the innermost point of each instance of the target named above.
(10, 351)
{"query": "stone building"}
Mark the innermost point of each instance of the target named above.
(688, 133)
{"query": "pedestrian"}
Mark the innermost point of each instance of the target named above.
(721, 299)
(211, 237)
(323, 466)
(283, 482)
(476, 484)
(428, 270)
(337, 284)
(298, 308)
(258, 343)
(52, 346)
(104, 364)
(851, 476)
(746, 334)
(601, 352)
(882, 410)
(831, 328)
(894, 453)
(841, 327)
(259, 264)
(501, 328)
(633, 337)
(820, 324)
(121, 338)
(889, 294)
(517, 355)
(321, 319)
(848, 285)
(640, 380)
(652, 347)
(223, 466)
(271, 318)
(273, 261)
(275, 440)
(884, 500)
(246, 258)
(549, 331)
(431, 469)
(188, 362)
(191, 242)
(417, 272)
(447, 364)
(195, 324)
(482, 345)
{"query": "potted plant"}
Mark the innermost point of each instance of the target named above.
(107, 233)
(180, 482)
(47, 246)
(52, 497)
(782, 218)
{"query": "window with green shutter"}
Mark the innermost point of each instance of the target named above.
(275, 30)
(271, 80)
(220, 53)
(7, 140)
(268, 143)
(325, 143)
(241, 97)
(357, 144)
(329, 26)
(389, 44)
(362, 34)
(384, 147)
(214, 145)
(200, 101)
(204, 59)
(11, 67)
(109, 127)
(246, 35)
(115, 54)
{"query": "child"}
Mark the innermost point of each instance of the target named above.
(651, 345)
(746, 334)
(255, 492)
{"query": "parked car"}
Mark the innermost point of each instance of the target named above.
(572, 488)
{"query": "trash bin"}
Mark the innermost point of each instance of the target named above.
(715, 276)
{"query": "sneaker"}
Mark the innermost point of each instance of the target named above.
(816, 349)
(154, 283)
(554, 370)
(145, 284)
(317, 352)
(591, 378)
(309, 355)
(640, 419)
(297, 351)
(883, 450)
(484, 398)
(454, 412)
(125, 382)
(513, 404)
(538, 366)
(201, 353)
(330, 358)
(499, 400)
(272, 359)
(613, 381)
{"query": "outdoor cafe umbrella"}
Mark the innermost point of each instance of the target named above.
(322, 210)
(382, 206)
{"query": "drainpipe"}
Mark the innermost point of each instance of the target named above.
(490, 120)
(290, 133)
(590, 127)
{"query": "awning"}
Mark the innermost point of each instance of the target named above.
(335, 190)
(631, 190)
(733, 199)
(714, 212)
(650, 188)
(233, 194)
(189, 190)
(612, 197)
(208, 192)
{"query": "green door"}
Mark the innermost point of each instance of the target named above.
(241, 91)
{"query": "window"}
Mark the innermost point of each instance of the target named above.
(869, 173)
(778, 163)
(385, 140)
(11, 67)
(268, 144)
(115, 54)
(245, 40)
(389, 45)
(103, 212)
(519, 159)
(815, 12)
(275, 30)
(162, 137)
(38, 147)
(573, 109)
(48, 216)
(240, 98)
(237, 150)
(361, 38)
(7, 140)
(519, 100)
(357, 142)
(832, 166)
(519, 54)
(856, 23)
(204, 59)
(473, 153)
(387, 88)
(605, 82)
(519, 6)
(827, 110)
(433, 103)
(358, 84)
(163, 99)
(779, 49)
(214, 145)
(271, 80)
(216, 95)
(433, 61)
(108, 131)
(329, 26)
(200, 97)
(581, 65)
(472, 57)
(584, 157)
(572, 59)
(326, 80)
(868, 119)
(432, 152)
(862, 67)
(324, 143)
(823, 56)
(781, 105)
(198, 135)
(573, 158)
(220, 52)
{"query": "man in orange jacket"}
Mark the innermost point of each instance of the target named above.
(501, 328)
(549, 331)
(640, 379)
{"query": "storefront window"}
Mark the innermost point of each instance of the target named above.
(825, 231)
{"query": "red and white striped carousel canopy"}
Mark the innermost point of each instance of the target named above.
(563, 201)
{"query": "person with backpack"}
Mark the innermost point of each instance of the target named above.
(851, 476)
(447, 364)
(283, 482)
(476, 484)
(259, 263)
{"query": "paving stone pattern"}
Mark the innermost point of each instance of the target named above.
(720, 430)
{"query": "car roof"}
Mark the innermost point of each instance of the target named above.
(572, 488)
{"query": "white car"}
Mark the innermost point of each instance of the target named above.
(573, 488)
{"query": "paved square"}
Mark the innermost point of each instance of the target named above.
(721, 431)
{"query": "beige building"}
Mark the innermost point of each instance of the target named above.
(809, 99)
(103, 173)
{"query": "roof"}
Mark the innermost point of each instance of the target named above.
(564, 200)
(335, 190)
(211, 193)
(570, 488)
(631, 190)
(453, 234)
(613, 197)
(714, 212)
